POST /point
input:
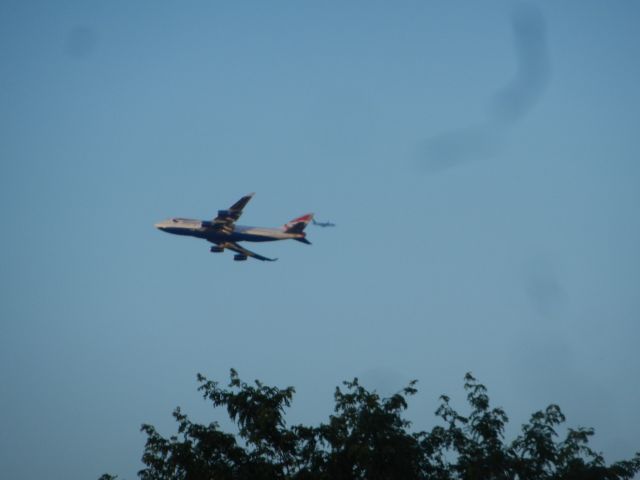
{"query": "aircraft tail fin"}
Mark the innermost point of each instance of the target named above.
(297, 225)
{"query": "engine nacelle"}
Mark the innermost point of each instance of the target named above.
(217, 249)
(239, 257)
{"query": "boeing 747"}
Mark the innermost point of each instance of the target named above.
(225, 234)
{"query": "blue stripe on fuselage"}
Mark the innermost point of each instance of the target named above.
(246, 237)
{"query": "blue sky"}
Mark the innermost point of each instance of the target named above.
(466, 239)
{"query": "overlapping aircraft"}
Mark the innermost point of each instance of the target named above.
(225, 234)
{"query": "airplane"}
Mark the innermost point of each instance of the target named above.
(323, 224)
(225, 234)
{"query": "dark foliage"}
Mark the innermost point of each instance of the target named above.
(368, 438)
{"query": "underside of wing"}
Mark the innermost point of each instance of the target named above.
(243, 251)
(226, 218)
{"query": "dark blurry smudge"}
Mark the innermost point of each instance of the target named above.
(457, 147)
(543, 288)
(81, 42)
(383, 380)
(516, 99)
(510, 104)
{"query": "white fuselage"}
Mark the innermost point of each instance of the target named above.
(239, 233)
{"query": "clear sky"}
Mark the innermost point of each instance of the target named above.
(480, 160)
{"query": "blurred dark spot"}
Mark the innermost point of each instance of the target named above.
(509, 104)
(516, 99)
(456, 147)
(383, 380)
(81, 42)
(546, 293)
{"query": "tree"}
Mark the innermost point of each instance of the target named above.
(367, 437)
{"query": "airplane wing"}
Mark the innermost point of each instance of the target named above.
(226, 218)
(243, 251)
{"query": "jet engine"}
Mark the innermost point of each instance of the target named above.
(239, 257)
(217, 249)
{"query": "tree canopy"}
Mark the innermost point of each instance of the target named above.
(368, 437)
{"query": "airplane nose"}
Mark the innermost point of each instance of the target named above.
(158, 225)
